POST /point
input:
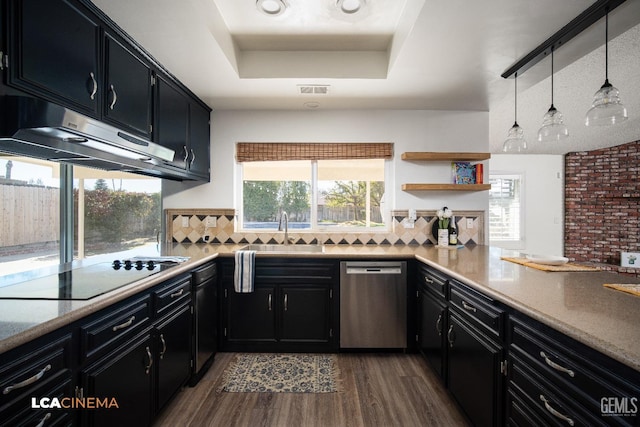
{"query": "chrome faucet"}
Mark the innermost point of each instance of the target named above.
(284, 217)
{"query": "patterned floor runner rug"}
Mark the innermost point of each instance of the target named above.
(287, 373)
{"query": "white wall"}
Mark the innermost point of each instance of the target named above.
(409, 130)
(543, 199)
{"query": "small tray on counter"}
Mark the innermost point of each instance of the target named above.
(546, 267)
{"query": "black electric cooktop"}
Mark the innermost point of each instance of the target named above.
(81, 283)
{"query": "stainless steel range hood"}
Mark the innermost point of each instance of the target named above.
(37, 128)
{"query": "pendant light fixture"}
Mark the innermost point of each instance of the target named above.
(515, 142)
(607, 109)
(553, 127)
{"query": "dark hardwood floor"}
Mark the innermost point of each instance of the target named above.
(382, 389)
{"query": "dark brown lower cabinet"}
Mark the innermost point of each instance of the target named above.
(474, 372)
(432, 326)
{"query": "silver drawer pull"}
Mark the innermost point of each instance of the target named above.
(124, 325)
(269, 302)
(26, 382)
(450, 336)
(177, 294)
(115, 98)
(556, 366)
(556, 413)
(468, 307)
(44, 419)
(439, 325)
(428, 280)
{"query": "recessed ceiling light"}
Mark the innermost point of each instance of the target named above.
(312, 104)
(271, 7)
(350, 6)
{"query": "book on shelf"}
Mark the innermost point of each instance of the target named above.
(466, 173)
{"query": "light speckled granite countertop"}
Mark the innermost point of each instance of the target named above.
(575, 304)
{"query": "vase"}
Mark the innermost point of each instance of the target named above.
(443, 237)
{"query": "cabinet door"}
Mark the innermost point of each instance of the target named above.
(128, 89)
(172, 121)
(56, 50)
(199, 140)
(251, 316)
(305, 313)
(126, 375)
(432, 326)
(474, 372)
(174, 353)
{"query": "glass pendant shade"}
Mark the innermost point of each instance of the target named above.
(515, 142)
(553, 127)
(607, 109)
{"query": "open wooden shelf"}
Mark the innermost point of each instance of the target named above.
(446, 187)
(444, 156)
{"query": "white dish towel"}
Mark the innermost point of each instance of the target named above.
(244, 271)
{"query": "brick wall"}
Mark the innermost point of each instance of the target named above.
(602, 205)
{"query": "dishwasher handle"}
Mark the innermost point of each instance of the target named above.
(374, 270)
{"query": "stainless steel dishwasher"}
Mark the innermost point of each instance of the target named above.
(373, 304)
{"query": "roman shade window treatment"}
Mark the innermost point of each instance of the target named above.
(279, 151)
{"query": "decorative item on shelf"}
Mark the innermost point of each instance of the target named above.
(607, 109)
(444, 217)
(463, 173)
(453, 233)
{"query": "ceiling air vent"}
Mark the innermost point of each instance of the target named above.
(313, 89)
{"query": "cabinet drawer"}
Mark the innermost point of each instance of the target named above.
(111, 325)
(21, 413)
(560, 362)
(431, 279)
(549, 400)
(477, 307)
(30, 368)
(172, 295)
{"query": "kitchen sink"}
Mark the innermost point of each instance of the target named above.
(284, 248)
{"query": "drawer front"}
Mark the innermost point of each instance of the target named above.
(549, 401)
(172, 295)
(204, 273)
(584, 381)
(26, 372)
(476, 307)
(23, 413)
(430, 279)
(112, 325)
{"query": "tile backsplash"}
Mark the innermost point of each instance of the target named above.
(218, 226)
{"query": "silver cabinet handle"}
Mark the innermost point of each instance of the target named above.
(468, 307)
(26, 382)
(269, 302)
(186, 155)
(193, 158)
(439, 325)
(177, 294)
(164, 346)
(450, 337)
(556, 366)
(94, 90)
(115, 98)
(44, 419)
(286, 298)
(124, 325)
(147, 368)
(428, 279)
(554, 412)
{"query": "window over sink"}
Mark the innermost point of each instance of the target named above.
(317, 194)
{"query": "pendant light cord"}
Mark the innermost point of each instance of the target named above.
(515, 115)
(552, 77)
(606, 47)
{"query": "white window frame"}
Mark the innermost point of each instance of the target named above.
(521, 242)
(386, 201)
